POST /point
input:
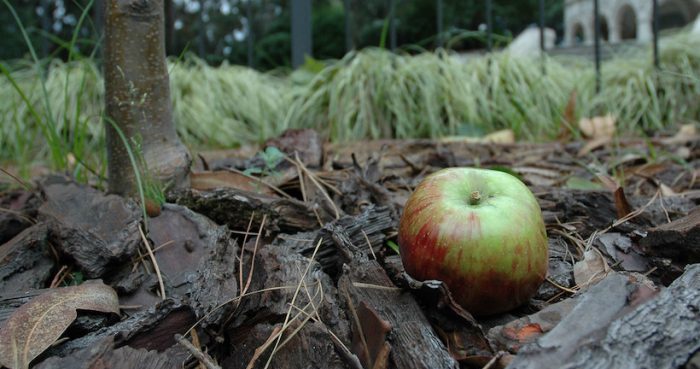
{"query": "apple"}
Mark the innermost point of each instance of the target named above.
(479, 231)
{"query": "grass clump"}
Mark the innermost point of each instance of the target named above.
(50, 112)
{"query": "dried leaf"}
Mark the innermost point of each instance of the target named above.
(570, 110)
(686, 133)
(666, 190)
(505, 136)
(591, 269)
(204, 181)
(622, 206)
(598, 127)
(36, 325)
(369, 338)
(578, 183)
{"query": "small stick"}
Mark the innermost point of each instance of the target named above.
(493, 360)
(203, 357)
(155, 264)
(369, 244)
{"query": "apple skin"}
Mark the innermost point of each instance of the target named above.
(492, 254)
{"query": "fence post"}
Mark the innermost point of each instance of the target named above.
(392, 24)
(348, 25)
(250, 40)
(489, 25)
(301, 31)
(655, 14)
(542, 46)
(596, 40)
(438, 21)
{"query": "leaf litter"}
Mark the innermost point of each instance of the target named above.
(316, 244)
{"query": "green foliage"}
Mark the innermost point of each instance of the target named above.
(272, 157)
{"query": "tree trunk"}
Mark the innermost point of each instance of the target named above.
(137, 95)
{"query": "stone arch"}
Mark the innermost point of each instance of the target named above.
(677, 13)
(604, 28)
(578, 34)
(627, 22)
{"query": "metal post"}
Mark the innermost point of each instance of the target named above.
(348, 25)
(250, 41)
(657, 64)
(489, 25)
(438, 21)
(542, 46)
(392, 24)
(46, 26)
(301, 31)
(596, 37)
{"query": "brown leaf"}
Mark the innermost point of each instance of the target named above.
(622, 206)
(570, 110)
(591, 269)
(204, 181)
(598, 127)
(369, 338)
(36, 325)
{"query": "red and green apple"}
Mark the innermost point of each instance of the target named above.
(479, 231)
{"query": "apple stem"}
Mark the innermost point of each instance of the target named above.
(475, 198)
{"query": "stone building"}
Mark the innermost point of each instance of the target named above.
(624, 20)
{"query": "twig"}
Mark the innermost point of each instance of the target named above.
(18, 214)
(493, 360)
(255, 249)
(155, 263)
(294, 298)
(20, 181)
(274, 188)
(59, 277)
(318, 185)
(166, 243)
(557, 285)
(203, 357)
(240, 259)
(369, 244)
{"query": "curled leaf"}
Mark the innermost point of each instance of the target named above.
(36, 325)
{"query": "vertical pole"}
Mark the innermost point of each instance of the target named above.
(348, 25)
(392, 24)
(438, 21)
(301, 31)
(249, 37)
(596, 40)
(201, 32)
(46, 27)
(169, 27)
(489, 25)
(656, 33)
(542, 46)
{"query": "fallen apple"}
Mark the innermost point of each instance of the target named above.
(481, 232)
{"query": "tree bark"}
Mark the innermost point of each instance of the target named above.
(137, 94)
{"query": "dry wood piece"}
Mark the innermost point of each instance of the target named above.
(679, 240)
(151, 329)
(17, 210)
(235, 208)
(364, 233)
(98, 231)
(413, 342)
(616, 326)
(103, 355)
(25, 261)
